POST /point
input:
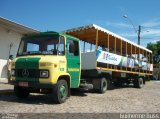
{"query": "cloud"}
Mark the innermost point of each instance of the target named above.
(128, 34)
(154, 41)
(152, 23)
(151, 32)
(153, 28)
(146, 37)
(118, 24)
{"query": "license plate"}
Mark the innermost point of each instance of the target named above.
(24, 84)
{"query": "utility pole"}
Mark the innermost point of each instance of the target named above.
(139, 28)
(139, 33)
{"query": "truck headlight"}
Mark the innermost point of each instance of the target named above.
(13, 72)
(44, 73)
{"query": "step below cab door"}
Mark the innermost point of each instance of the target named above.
(73, 61)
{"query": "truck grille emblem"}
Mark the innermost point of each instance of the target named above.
(25, 73)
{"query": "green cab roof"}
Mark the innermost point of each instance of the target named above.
(48, 33)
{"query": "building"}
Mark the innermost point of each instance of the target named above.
(10, 35)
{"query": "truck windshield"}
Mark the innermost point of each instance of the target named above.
(52, 45)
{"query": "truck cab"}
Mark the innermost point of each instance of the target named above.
(47, 61)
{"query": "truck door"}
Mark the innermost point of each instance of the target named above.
(73, 61)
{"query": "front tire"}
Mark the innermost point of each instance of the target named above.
(21, 92)
(60, 91)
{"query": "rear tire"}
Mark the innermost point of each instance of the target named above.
(138, 83)
(21, 92)
(60, 92)
(103, 85)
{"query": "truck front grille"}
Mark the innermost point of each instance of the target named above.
(30, 73)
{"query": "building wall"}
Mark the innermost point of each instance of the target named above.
(6, 38)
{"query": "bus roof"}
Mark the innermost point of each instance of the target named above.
(88, 33)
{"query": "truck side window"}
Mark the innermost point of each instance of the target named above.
(73, 47)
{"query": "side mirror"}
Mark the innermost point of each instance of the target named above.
(71, 48)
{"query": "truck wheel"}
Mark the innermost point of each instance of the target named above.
(103, 85)
(21, 92)
(60, 91)
(138, 83)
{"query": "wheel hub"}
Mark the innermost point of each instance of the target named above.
(63, 91)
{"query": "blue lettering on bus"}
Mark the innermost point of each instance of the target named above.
(109, 57)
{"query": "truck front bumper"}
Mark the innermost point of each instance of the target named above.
(33, 84)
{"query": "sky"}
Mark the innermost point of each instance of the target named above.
(60, 15)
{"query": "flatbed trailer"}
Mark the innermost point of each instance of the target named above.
(119, 59)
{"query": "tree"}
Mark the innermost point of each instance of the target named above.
(158, 47)
(155, 48)
(152, 47)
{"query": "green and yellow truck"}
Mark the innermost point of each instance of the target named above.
(54, 62)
